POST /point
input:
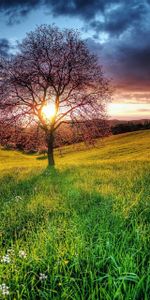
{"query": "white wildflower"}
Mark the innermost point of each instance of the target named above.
(42, 276)
(4, 289)
(22, 254)
(5, 259)
(18, 198)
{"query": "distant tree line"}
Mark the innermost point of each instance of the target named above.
(130, 126)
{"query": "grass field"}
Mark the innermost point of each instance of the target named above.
(81, 231)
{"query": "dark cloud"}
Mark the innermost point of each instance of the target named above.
(134, 63)
(127, 58)
(22, 5)
(5, 47)
(86, 9)
(113, 16)
(119, 17)
(15, 10)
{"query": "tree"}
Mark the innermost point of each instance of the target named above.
(52, 79)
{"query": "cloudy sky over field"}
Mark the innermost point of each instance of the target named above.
(118, 31)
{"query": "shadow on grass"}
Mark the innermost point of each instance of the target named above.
(42, 157)
(71, 201)
(17, 219)
(20, 219)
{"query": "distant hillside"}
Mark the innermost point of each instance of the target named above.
(33, 139)
(114, 122)
(122, 126)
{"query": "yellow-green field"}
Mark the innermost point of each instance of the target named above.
(85, 225)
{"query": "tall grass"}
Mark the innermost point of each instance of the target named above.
(84, 225)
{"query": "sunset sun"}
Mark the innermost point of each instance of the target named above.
(49, 111)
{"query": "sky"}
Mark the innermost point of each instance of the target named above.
(118, 31)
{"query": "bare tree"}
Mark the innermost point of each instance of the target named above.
(52, 79)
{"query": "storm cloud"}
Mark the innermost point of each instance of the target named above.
(109, 15)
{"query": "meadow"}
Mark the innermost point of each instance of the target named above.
(81, 230)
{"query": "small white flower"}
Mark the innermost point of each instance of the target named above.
(42, 276)
(18, 198)
(5, 259)
(4, 289)
(22, 254)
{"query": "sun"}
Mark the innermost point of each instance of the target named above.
(49, 111)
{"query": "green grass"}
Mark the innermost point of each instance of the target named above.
(85, 225)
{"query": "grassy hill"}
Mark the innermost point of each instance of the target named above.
(84, 225)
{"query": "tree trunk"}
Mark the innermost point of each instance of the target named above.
(50, 144)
